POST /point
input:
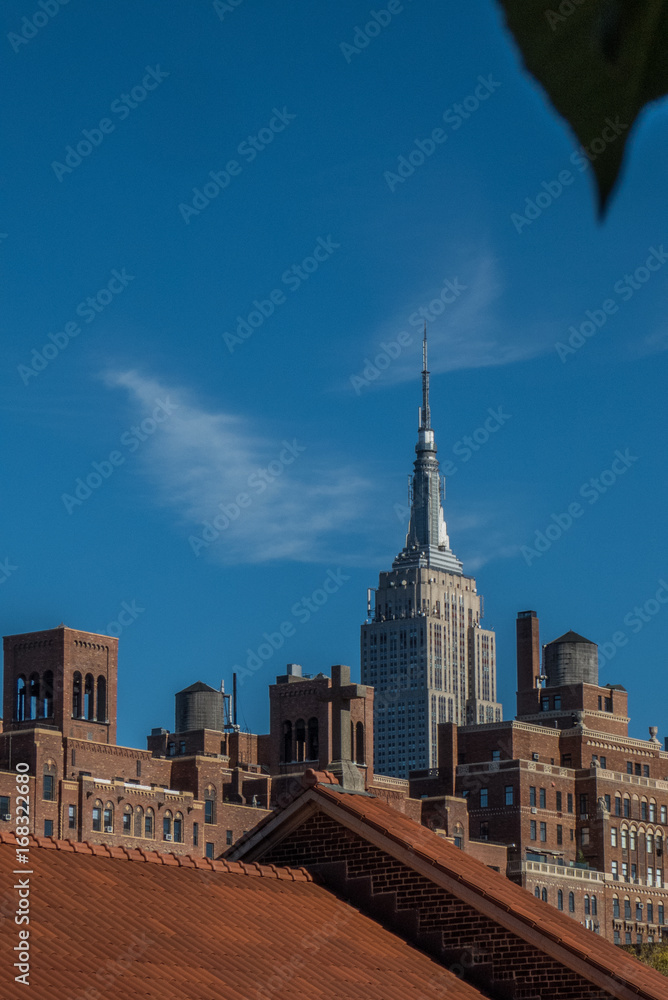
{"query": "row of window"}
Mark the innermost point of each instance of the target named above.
(590, 902)
(638, 910)
(628, 838)
(629, 873)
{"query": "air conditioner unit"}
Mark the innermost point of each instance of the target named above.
(108, 829)
(534, 810)
(168, 836)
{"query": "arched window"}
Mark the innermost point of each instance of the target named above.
(109, 818)
(101, 715)
(97, 816)
(49, 781)
(615, 907)
(571, 902)
(560, 900)
(587, 907)
(625, 836)
(627, 909)
(300, 739)
(287, 742)
(76, 695)
(46, 709)
(652, 810)
(178, 828)
(594, 906)
(148, 823)
(210, 805)
(34, 695)
(359, 743)
(139, 822)
(649, 841)
(544, 894)
(536, 892)
(313, 748)
(632, 839)
(89, 696)
(21, 694)
(167, 825)
(127, 820)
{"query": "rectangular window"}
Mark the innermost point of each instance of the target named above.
(600, 703)
(606, 799)
(565, 760)
(615, 870)
(97, 819)
(660, 917)
(570, 802)
(182, 746)
(629, 767)
(484, 830)
(584, 805)
(48, 828)
(229, 837)
(127, 823)
(627, 808)
(139, 769)
(484, 797)
(532, 795)
(625, 871)
(584, 836)
(608, 704)
(557, 702)
(618, 806)
(615, 908)
(613, 836)
(652, 812)
(664, 814)
(496, 755)
(650, 913)
(542, 798)
(195, 834)
(545, 703)
(509, 795)
(533, 829)
(560, 833)
(627, 909)
(208, 810)
(5, 814)
(209, 850)
(48, 787)
(634, 872)
(638, 769)
(543, 832)
(643, 810)
(558, 801)
(604, 762)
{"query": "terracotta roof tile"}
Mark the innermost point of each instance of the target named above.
(161, 930)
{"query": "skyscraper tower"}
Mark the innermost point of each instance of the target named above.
(422, 646)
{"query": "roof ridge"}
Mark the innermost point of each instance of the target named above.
(142, 854)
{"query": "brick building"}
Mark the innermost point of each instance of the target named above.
(581, 805)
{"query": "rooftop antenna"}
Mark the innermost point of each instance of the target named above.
(425, 423)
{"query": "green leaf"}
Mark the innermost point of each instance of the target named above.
(600, 62)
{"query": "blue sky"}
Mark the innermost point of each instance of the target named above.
(214, 267)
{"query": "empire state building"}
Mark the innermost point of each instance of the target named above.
(422, 647)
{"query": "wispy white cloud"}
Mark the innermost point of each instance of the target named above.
(294, 507)
(467, 332)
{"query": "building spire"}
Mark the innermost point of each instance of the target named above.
(427, 542)
(425, 413)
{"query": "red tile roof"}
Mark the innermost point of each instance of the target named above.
(140, 924)
(495, 892)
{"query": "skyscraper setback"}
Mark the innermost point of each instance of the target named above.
(422, 647)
